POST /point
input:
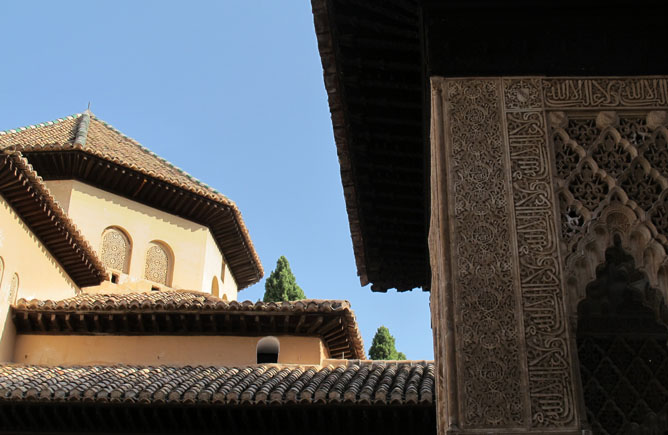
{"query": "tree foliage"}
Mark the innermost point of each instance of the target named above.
(383, 346)
(282, 284)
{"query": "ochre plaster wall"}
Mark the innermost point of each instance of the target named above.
(213, 267)
(40, 275)
(156, 350)
(197, 258)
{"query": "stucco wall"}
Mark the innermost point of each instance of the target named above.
(40, 276)
(197, 258)
(156, 350)
(213, 267)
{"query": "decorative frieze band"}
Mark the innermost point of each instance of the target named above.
(638, 92)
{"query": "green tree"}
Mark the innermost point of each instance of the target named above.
(282, 284)
(383, 347)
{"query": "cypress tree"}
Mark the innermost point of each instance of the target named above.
(282, 284)
(383, 346)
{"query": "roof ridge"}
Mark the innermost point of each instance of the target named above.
(162, 159)
(41, 124)
(82, 129)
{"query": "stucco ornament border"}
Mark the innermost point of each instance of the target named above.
(490, 367)
(512, 348)
(549, 356)
(608, 92)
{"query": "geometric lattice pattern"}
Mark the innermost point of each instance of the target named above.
(115, 251)
(157, 264)
(606, 156)
(625, 381)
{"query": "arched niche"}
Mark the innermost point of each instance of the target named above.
(159, 263)
(640, 239)
(267, 350)
(622, 337)
(116, 249)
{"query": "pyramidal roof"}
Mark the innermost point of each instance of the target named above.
(84, 147)
(86, 131)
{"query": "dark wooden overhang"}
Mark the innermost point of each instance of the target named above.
(77, 417)
(115, 178)
(22, 189)
(377, 58)
(337, 329)
(371, 58)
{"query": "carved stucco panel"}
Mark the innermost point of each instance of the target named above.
(490, 364)
(115, 252)
(512, 349)
(610, 141)
(157, 264)
(548, 354)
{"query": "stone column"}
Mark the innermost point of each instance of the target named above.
(506, 361)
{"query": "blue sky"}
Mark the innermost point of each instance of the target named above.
(232, 92)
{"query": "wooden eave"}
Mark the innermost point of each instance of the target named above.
(371, 57)
(378, 57)
(96, 416)
(338, 330)
(221, 219)
(30, 199)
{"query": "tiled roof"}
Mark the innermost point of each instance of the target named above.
(186, 312)
(86, 133)
(346, 382)
(24, 190)
(106, 141)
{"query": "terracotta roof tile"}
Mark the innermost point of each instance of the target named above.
(106, 142)
(332, 320)
(176, 300)
(403, 383)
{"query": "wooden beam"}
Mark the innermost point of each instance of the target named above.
(300, 323)
(316, 325)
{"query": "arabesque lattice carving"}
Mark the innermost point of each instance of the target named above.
(611, 159)
(614, 172)
(115, 252)
(158, 264)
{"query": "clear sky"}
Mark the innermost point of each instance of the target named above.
(230, 91)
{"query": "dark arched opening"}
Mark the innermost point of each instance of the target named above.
(622, 347)
(267, 350)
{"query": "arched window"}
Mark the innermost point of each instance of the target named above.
(14, 288)
(116, 248)
(214, 287)
(158, 263)
(267, 350)
(222, 271)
